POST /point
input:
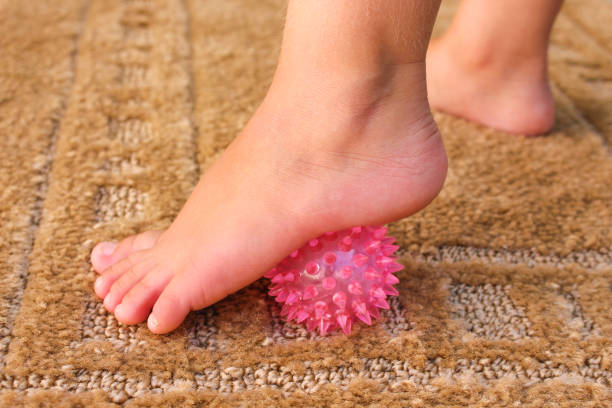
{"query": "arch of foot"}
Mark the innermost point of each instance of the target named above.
(337, 278)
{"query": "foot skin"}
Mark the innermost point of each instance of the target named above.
(514, 97)
(313, 158)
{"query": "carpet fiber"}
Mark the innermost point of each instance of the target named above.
(110, 110)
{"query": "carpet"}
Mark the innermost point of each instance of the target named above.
(111, 109)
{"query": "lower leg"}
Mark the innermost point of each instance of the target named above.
(494, 55)
(344, 137)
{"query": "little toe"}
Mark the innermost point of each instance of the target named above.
(106, 254)
(170, 309)
(137, 303)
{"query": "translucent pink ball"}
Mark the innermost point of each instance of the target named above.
(337, 278)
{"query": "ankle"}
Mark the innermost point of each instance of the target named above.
(486, 58)
(376, 109)
(356, 92)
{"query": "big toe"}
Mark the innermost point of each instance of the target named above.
(106, 254)
(171, 308)
(191, 291)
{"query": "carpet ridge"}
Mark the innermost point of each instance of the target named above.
(589, 260)
(393, 375)
(35, 213)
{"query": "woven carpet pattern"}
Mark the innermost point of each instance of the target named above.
(111, 109)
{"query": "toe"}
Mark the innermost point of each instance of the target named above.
(106, 280)
(137, 303)
(101, 254)
(171, 308)
(106, 254)
(124, 283)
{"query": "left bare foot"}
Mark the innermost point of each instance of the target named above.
(515, 98)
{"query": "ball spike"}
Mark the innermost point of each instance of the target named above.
(346, 272)
(374, 312)
(314, 244)
(372, 247)
(282, 295)
(291, 276)
(389, 250)
(330, 235)
(271, 273)
(320, 308)
(380, 303)
(360, 259)
(372, 274)
(311, 324)
(309, 292)
(292, 298)
(339, 299)
(364, 317)
(355, 288)
(278, 278)
(345, 322)
(329, 258)
(383, 261)
(285, 309)
(312, 268)
(394, 267)
(345, 243)
(390, 290)
(356, 231)
(328, 283)
(323, 326)
(377, 292)
(292, 312)
(390, 279)
(302, 315)
(359, 306)
(388, 240)
(379, 233)
(275, 290)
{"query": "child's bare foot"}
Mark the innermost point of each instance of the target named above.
(344, 137)
(514, 98)
(490, 65)
(330, 159)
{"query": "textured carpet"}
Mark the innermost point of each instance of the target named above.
(110, 110)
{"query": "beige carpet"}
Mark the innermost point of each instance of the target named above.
(109, 111)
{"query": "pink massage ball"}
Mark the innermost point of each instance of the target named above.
(337, 278)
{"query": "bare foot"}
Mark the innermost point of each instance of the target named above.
(490, 66)
(312, 159)
(344, 137)
(515, 98)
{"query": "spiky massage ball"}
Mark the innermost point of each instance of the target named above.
(337, 278)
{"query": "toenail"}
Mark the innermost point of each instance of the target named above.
(98, 285)
(118, 309)
(108, 248)
(107, 302)
(153, 323)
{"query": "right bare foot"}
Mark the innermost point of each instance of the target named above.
(344, 137)
(311, 160)
(514, 98)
